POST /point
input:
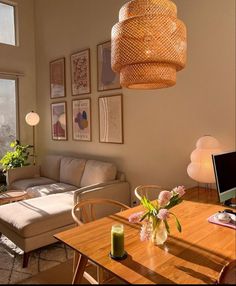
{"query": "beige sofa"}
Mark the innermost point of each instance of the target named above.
(53, 189)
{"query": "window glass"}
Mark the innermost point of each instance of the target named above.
(8, 114)
(7, 24)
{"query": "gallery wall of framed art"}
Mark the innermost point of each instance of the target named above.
(109, 106)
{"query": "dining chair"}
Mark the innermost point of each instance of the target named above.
(151, 192)
(228, 274)
(86, 211)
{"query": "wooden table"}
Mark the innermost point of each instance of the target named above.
(12, 196)
(194, 256)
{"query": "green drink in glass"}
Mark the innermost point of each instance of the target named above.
(117, 241)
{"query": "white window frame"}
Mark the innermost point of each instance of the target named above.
(16, 22)
(16, 79)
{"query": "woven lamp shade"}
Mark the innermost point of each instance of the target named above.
(148, 44)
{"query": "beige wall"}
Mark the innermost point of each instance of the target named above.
(161, 127)
(22, 59)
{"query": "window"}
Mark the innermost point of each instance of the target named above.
(7, 24)
(8, 113)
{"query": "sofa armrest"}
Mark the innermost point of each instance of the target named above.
(115, 190)
(21, 173)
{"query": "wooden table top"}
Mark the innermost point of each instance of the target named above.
(12, 196)
(194, 256)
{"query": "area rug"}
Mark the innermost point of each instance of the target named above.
(11, 257)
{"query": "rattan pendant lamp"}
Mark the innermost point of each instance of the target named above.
(148, 44)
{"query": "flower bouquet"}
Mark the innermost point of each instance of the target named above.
(155, 226)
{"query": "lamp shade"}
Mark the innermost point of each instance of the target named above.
(201, 167)
(148, 44)
(32, 118)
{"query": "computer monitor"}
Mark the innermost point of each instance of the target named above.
(225, 175)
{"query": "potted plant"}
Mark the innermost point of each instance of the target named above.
(18, 157)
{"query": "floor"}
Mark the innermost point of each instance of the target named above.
(61, 274)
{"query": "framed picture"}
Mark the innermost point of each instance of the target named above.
(59, 121)
(80, 72)
(57, 78)
(111, 119)
(107, 79)
(81, 114)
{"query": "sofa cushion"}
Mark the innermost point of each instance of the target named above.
(50, 167)
(44, 190)
(71, 170)
(98, 172)
(38, 215)
(27, 183)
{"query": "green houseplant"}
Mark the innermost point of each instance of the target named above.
(18, 157)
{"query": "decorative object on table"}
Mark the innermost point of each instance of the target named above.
(107, 79)
(148, 44)
(81, 114)
(18, 157)
(111, 119)
(57, 78)
(80, 72)
(32, 119)
(155, 226)
(201, 167)
(117, 242)
(59, 121)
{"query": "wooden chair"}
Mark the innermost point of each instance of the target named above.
(228, 274)
(151, 192)
(84, 212)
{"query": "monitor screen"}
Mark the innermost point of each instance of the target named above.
(225, 174)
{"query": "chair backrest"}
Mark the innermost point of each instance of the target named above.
(228, 274)
(151, 192)
(85, 210)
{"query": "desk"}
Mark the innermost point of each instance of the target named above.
(194, 256)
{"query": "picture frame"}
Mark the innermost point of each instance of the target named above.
(57, 78)
(81, 116)
(107, 79)
(80, 72)
(59, 120)
(111, 119)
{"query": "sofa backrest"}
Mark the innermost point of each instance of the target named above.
(50, 167)
(98, 172)
(71, 170)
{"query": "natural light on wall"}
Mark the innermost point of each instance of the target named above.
(7, 24)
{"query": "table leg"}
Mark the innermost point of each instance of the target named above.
(79, 271)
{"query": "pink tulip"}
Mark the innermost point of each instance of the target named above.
(163, 214)
(164, 197)
(135, 217)
(179, 190)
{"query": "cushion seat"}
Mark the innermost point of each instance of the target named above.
(27, 183)
(45, 190)
(38, 215)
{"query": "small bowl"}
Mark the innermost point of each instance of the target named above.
(223, 217)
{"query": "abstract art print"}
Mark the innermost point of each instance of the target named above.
(59, 121)
(57, 78)
(111, 119)
(81, 114)
(80, 72)
(107, 79)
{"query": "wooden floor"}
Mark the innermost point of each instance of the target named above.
(61, 274)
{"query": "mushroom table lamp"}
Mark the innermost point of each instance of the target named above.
(201, 167)
(32, 119)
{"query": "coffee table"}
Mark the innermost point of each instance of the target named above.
(12, 196)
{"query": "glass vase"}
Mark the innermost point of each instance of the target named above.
(159, 232)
